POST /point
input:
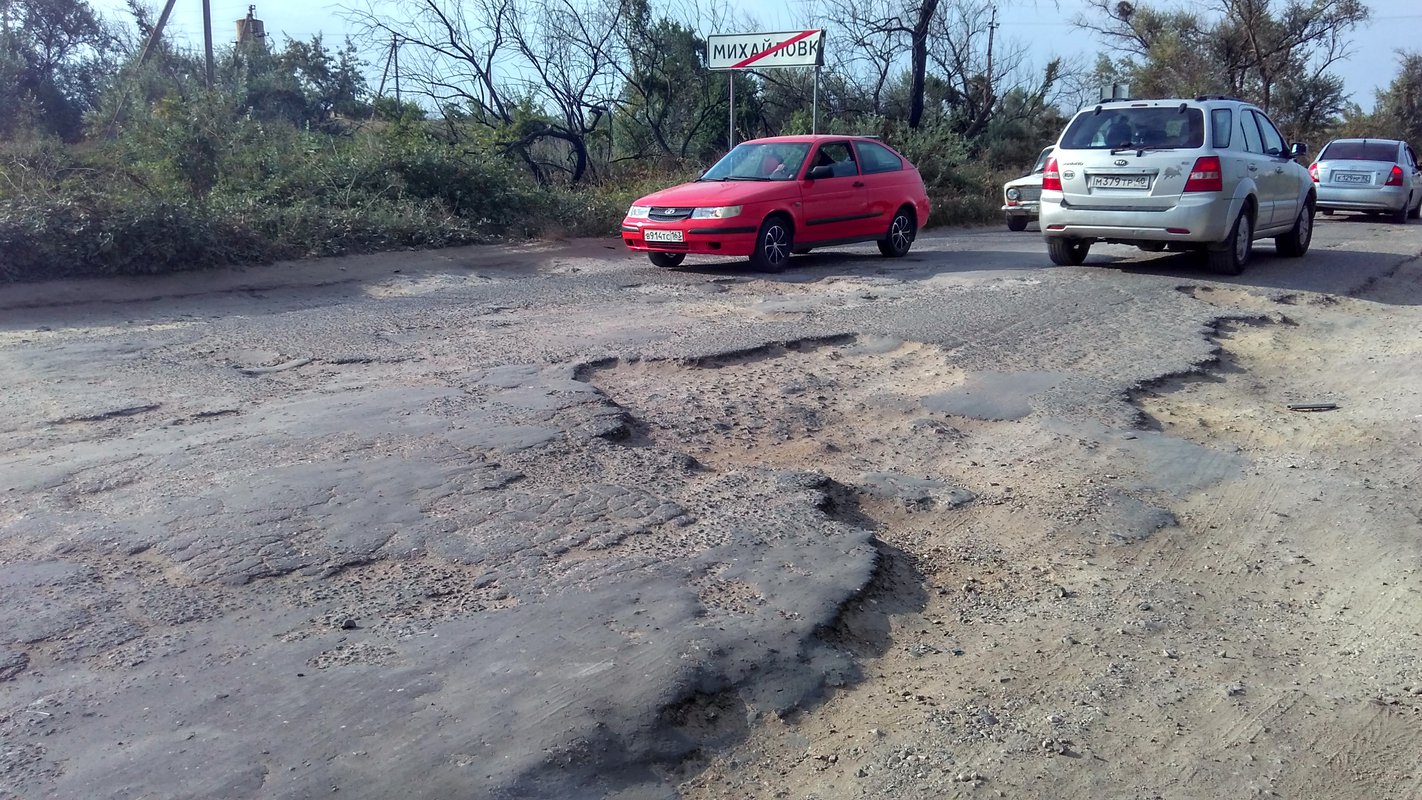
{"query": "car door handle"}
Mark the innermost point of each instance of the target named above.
(858, 184)
(1253, 167)
(1278, 169)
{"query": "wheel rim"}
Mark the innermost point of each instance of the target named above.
(899, 234)
(1306, 225)
(1241, 240)
(776, 245)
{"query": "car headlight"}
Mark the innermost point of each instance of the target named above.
(723, 212)
(1013, 194)
(639, 212)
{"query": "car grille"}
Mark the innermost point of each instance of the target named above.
(1029, 194)
(669, 214)
(667, 245)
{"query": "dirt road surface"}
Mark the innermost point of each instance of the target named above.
(548, 522)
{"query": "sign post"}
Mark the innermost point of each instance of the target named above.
(736, 51)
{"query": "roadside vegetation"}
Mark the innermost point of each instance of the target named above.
(542, 118)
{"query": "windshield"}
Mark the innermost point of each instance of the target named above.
(774, 161)
(1153, 128)
(1359, 151)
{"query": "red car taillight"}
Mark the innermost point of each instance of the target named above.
(1395, 177)
(1313, 172)
(1206, 176)
(1051, 178)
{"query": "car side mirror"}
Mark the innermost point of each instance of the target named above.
(1298, 149)
(820, 172)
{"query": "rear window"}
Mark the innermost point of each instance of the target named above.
(1359, 151)
(1161, 127)
(877, 158)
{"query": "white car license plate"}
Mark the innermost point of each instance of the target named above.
(662, 236)
(1352, 177)
(1120, 182)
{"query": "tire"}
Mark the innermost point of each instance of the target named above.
(773, 244)
(900, 237)
(1295, 243)
(1017, 223)
(1401, 215)
(1417, 209)
(1152, 247)
(667, 260)
(1067, 252)
(1230, 256)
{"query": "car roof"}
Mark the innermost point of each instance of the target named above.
(1366, 139)
(812, 139)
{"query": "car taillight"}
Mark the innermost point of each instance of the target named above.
(1395, 177)
(1051, 178)
(1313, 172)
(1206, 175)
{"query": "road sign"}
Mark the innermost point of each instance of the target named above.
(765, 50)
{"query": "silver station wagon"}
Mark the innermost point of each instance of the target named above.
(1376, 176)
(1210, 174)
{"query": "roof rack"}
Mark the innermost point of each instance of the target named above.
(1204, 97)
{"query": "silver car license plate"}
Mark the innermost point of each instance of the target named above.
(1119, 182)
(1352, 177)
(661, 236)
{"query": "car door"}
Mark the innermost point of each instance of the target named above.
(1254, 165)
(1414, 170)
(882, 173)
(1277, 179)
(835, 207)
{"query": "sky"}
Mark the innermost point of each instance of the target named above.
(1045, 27)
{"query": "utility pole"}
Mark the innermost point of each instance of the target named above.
(992, 28)
(207, 37)
(156, 33)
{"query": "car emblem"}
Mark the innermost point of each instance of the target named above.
(1068, 175)
(1121, 162)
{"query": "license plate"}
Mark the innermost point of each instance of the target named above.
(1352, 177)
(662, 236)
(1120, 182)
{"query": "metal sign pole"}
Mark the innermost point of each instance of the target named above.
(731, 135)
(815, 105)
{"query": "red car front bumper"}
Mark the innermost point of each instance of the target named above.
(728, 237)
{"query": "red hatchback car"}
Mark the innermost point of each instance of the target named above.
(769, 198)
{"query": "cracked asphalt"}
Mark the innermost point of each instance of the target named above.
(536, 521)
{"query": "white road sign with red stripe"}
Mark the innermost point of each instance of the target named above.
(765, 50)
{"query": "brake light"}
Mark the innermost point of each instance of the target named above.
(1395, 178)
(1313, 172)
(1206, 175)
(1051, 178)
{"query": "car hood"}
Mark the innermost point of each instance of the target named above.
(720, 193)
(1025, 180)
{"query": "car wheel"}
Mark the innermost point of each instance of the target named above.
(1417, 209)
(1152, 247)
(1295, 243)
(773, 244)
(900, 238)
(1401, 215)
(1230, 256)
(1067, 252)
(667, 260)
(1017, 222)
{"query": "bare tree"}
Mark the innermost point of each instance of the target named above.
(882, 33)
(532, 70)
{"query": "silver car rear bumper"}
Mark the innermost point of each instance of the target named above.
(1196, 218)
(1371, 198)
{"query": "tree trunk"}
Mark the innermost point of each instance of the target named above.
(919, 63)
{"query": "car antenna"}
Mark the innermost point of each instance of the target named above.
(1181, 109)
(1097, 112)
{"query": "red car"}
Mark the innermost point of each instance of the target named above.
(769, 198)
